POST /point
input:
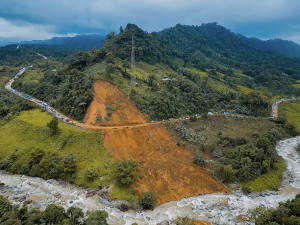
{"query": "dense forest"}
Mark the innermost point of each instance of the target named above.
(283, 47)
(209, 49)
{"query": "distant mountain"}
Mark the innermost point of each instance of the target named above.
(283, 47)
(25, 54)
(83, 41)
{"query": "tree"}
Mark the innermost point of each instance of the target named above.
(68, 163)
(111, 35)
(53, 125)
(5, 205)
(148, 200)
(97, 217)
(228, 174)
(125, 171)
(54, 214)
(49, 166)
(75, 214)
(121, 29)
(263, 143)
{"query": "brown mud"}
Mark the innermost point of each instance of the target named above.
(166, 169)
(122, 111)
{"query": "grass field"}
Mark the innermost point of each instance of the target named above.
(28, 132)
(291, 110)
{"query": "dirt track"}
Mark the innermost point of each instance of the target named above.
(167, 169)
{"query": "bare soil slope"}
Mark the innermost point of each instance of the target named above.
(113, 106)
(168, 170)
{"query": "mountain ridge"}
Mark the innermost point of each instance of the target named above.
(283, 47)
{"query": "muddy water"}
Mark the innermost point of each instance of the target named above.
(216, 208)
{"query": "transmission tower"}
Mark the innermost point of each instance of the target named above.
(133, 81)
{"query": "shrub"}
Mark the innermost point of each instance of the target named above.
(125, 171)
(96, 217)
(53, 125)
(275, 135)
(148, 200)
(197, 137)
(198, 159)
(92, 174)
(49, 166)
(193, 119)
(37, 155)
(183, 221)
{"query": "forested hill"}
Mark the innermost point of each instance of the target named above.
(208, 66)
(283, 47)
(83, 42)
(209, 46)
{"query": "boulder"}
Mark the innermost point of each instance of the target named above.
(165, 222)
(21, 199)
(90, 193)
(27, 202)
(56, 194)
(124, 207)
(242, 218)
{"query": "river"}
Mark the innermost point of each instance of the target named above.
(216, 208)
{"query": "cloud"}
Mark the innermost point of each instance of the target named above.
(101, 16)
(26, 31)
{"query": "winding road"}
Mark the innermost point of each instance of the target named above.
(62, 117)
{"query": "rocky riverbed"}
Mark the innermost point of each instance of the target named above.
(216, 208)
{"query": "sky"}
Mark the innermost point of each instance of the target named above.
(42, 19)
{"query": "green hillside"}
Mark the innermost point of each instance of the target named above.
(209, 68)
(24, 135)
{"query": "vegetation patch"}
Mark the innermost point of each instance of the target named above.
(286, 213)
(53, 214)
(268, 181)
(24, 135)
(290, 111)
(236, 153)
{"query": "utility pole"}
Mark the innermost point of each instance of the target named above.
(133, 81)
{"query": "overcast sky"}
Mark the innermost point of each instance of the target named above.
(43, 19)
